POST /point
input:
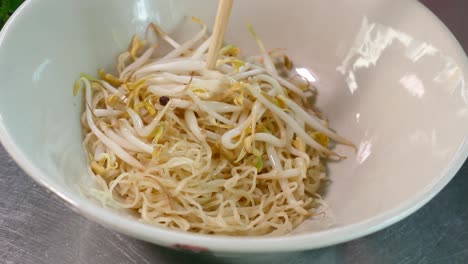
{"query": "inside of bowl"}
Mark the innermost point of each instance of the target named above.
(398, 92)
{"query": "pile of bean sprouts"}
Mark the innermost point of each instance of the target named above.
(238, 150)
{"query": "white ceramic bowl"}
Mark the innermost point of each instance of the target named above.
(391, 77)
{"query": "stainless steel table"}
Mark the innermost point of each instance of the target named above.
(36, 227)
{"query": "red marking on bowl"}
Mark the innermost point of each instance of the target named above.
(190, 248)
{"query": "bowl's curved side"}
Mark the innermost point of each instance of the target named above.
(165, 237)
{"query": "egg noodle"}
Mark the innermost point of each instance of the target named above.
(238, 150)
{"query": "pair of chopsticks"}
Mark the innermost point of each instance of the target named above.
(221, 22)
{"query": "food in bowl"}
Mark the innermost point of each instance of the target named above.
(239, 150)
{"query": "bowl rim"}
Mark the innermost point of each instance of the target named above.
(229, 244)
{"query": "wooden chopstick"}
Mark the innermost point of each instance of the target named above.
(217, 39)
